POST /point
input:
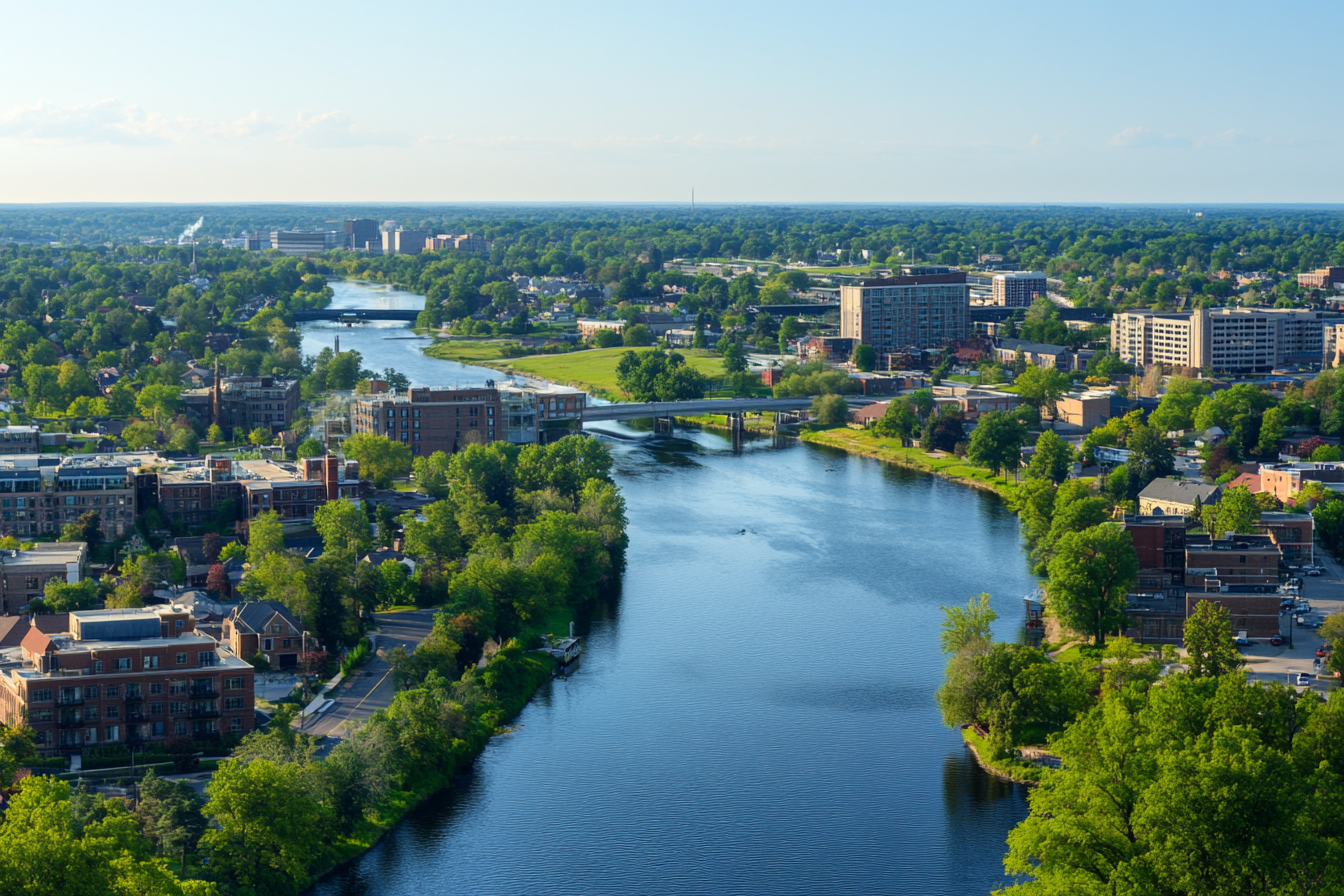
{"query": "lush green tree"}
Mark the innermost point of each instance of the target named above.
(1237, 511)
(381, 459)
(996, 442)
(1209, 647)
(1042, 387)
(63, 597)
(265, 535)
(310, 448)
(899, 421)
(606, 338)
(268, 830)
(1090, 575)
(658, 376)
(1150, 457)
(170, 815)
(637, 335)
(159, 402)
(88, 529)
(864, 357)
(830, 410)
(1052, 459)
(138, 436)
(343, 526)
(1177, 408)
(963, 626)
(262, 436)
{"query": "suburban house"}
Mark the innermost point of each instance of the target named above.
(1176, 497)
(264, 627)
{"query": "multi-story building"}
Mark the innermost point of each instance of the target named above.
(267, 628)
(299, 242)
(404, 242)
(1230, 340)
(359, 232)
(19, 439)
(588, 327)
(129, 677)
(103, 483)
(1159, 542)
(1039, 354)
(462, 242)
(1285, 480)
(1322, 278)
(924, 307)
(1081, 412)
(24, 574)
(1176, 497)
(248, 402)
(1017, 289)
(429, 420)
(1292, 532)
(225, 489)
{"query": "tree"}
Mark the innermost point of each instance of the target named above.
(1090, 575)
(63, 597)
(830, 410)
(1042, 387)
(121, 400)
(1271, 432)
(381, 460)
(260, 436)
(88, 529)
(996, 442)
(864, 357)
(310, 448)
(1237, 511)
(169, 815)
(637, 335)
(1209, 646)
(138, 436)
(343, 526)
(658, 376)
(217, 581)
(1052, 460)
(265, 535)
(963, 626)
(899, 421)
(1150, 457)
(232, 551)
(606, 338)
(159, 402)
(1177, 408)
(268, 827)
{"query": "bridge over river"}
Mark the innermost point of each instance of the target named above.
(729, 406)
(356, 314)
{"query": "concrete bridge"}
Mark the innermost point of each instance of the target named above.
(351, 315)
(634, 410)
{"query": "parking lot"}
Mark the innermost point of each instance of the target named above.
(1325, 593)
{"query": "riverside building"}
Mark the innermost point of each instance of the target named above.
(1227, 340)
(927, 306)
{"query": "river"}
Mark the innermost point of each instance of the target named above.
(754, 713)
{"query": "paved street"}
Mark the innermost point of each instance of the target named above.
(1326, 595)
(370, 688)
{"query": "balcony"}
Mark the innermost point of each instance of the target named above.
(69, 701)
(134, 715)
(203, 713)
(135, 698)
(70, 722)
(205, 692)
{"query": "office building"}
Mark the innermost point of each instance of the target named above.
(132, 677)
(20, 439)
(925, 307)
(462, 242)
(1322, 278)
(404, 242)
(299, 242)
(360, 232)
(1227, 340)
(1017, 289)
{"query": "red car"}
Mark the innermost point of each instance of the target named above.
(1276, 641)
(1325, 650)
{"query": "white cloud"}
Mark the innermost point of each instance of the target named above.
(110, 121)
(1141, 136)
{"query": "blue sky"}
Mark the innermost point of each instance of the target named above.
(599, 102)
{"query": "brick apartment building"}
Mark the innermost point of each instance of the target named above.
(243, 489)
(41, 493)
(248, 402)
(429, 420)
(24, 574)
(1321, 278)
(129, 677)
(268, 628)
(925, 307)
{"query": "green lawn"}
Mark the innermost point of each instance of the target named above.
(471, 349)
(594, 370)
(865, 442)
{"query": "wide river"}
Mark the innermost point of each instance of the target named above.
(754, 713)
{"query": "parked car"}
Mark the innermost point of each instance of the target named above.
(1304, 678)
(1322, 652)
(1313, 572)
(1276, 641)
(1243, 642)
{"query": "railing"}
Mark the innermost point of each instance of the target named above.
(135, 698)
(69, 701)
(203, 713)
(67, 722)
(205, 692)
(134, 716)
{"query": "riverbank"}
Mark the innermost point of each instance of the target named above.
(1014, 770)
(759, 423)
(866, 443)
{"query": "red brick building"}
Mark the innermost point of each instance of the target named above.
(429, 420)
(130, 677)
(266, 627)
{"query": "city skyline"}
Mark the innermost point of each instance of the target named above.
(963, 103)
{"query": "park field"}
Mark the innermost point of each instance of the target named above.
(594, 370)
(472, 351)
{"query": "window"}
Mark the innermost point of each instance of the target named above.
(157, 729)
(177, 687)
(31, 583)
(179, 727)
(113, 712)
(235, 724)
(90, 713)
(113, 733)
(275, 628)
(233, 702)
(286, 643)
(156, 709)
(91, 692)
(150, 662)
(124, 664)
(177, 708)
(111, 691)
(181, 659)
(233, 684)
(132, 690)
(90, 735)
(207, 658)
(156, 688)
(40, 695)
(268, 644)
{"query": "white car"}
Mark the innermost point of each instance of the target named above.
(1304, 679)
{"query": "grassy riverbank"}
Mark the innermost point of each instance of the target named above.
(592, 370)
(754, 422)
(1009, 768)
(868, 444)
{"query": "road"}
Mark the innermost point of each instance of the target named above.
(1326, 595)
(369, 689)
